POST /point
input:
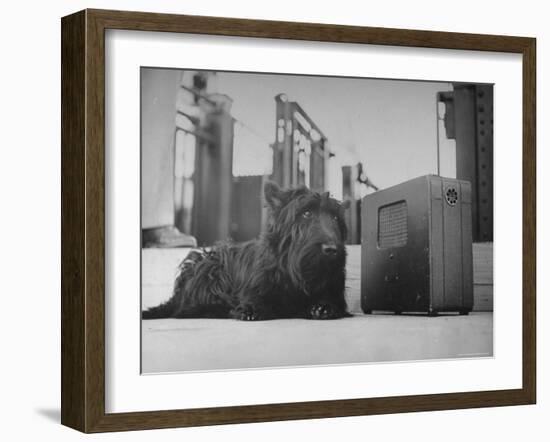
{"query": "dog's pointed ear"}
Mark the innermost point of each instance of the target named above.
(273, 195)
(346, 204)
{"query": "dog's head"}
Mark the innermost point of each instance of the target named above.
(307, 229)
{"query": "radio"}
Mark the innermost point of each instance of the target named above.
(416, 247)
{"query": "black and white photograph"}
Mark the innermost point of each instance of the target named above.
(269, 221)
(302, 220)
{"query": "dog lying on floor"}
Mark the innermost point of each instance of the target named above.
(296, 269)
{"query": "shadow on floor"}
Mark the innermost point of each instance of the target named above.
(51, 414)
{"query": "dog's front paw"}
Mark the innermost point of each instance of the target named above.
(246, 313)
(323, 311)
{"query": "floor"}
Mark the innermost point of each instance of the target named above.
(214, 344)
(170, 345)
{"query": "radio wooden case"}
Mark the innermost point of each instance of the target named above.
(416, 247)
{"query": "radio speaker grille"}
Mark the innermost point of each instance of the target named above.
(392, 225)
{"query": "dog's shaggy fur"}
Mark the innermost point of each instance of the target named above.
(296, 269)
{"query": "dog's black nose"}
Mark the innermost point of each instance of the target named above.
(329, 249)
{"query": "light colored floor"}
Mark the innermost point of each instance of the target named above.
(213, 344)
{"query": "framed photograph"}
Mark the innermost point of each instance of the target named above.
(269, 220)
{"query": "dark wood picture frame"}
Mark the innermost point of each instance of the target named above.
(83, 220)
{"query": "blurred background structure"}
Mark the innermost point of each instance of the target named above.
(211, 139)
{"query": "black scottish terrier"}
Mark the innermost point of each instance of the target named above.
(296, 269)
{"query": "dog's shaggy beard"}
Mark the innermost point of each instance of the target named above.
(301, 258)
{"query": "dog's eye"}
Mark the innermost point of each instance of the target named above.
(307, 214)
